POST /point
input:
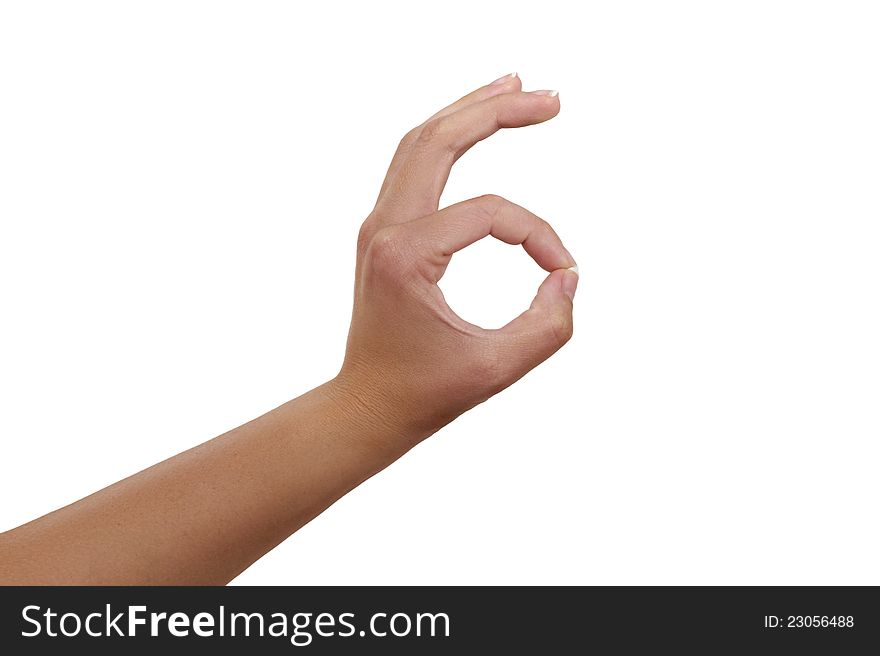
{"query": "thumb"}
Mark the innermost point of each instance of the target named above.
(540, 331)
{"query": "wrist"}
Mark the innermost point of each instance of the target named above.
(374, 414)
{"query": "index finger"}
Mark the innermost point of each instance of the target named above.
(438, 236)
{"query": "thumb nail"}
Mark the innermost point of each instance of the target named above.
(570, 281)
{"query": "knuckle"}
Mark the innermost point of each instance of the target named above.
(366, 232)
(431, 131)
(409, 138)
(491, 201)
(546, 227)
(561, 328)
(385, 250)
(488, 205)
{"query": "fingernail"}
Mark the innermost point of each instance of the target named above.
(570, 281)
(545, 92)
(503, 79)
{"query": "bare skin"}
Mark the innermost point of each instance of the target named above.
(411, 366)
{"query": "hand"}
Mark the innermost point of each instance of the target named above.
(411, 363)
(411, 366)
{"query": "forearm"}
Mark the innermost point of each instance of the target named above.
(205, 515)
(411, 366)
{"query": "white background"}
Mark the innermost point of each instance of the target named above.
(180, 189)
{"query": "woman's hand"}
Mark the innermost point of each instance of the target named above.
(411, 366)
(411, 363)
